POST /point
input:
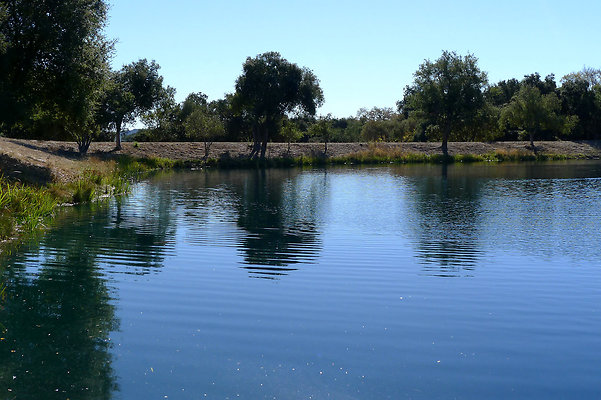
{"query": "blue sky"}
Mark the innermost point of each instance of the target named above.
(364, 53)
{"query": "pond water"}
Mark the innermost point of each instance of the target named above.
(420, 282)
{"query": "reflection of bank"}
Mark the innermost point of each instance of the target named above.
(445, 217)
(59, 308)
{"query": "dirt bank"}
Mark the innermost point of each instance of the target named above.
(43, 161)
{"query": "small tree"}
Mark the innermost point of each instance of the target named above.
(133, 90)
(447, 92)
(202, 126)
(532, 112)
(322, 129)
(374, 131)
(291, 133)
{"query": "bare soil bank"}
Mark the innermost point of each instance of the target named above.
(44, 161)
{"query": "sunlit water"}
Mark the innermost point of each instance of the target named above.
(472, 282)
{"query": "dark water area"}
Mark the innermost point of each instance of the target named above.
(411, 282)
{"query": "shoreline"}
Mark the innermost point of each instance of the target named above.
(39, 177)
(45, 162)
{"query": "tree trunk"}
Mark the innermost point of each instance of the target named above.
(532, 139)
(118, 136)
(83, 146)
(326, 147)
(445, 138)
(207, 148)
(256, 142)
(264, 137)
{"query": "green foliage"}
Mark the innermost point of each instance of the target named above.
(201, 125)
(3, 19)
(290, 132)
(374, 131)
(132, 91)
(53, 66)
(271, 87)
(590, 75)
(7, 226)
(24, 208)
(535, 113)
(578, 98)
(447, 93)
(322, 129)
(84, 192)
(501, 93)
(128, 166)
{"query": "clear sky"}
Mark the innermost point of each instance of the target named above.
(363, 52)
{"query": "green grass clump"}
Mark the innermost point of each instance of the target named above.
(7, 227)
(23, 207)
(131, 166)
(84, 191)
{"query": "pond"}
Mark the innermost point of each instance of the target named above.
(421, 282)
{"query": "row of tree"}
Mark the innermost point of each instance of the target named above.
(449, 99)
(56, 83)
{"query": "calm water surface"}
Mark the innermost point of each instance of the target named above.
(470, 282)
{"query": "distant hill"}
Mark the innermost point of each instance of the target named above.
(127, 135)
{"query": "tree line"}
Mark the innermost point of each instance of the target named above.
(56, 83)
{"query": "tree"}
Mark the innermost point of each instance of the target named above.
(501, 93)
(375, 114)
(205, 126)
(290, 132)
(544, 86)
(375, 130)
(533, 113)
(578, 98)
(53, 64)
(3, 19)
(134, 90)
(163, 122)
(270, 88)
(448, 92)
(322, 129)
(591, 75)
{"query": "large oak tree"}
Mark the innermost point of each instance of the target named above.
(448, 92)
(270, 88)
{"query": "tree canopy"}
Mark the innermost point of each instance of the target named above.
(53, 66)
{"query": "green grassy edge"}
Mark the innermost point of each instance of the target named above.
(368, 157)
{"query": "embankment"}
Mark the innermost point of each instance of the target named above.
(51, 161)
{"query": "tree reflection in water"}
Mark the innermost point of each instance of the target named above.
(279, 212)
(59, 309)
(446, 215)
(277, 209)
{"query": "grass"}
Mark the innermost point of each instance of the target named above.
(24, 208)
(380, 155)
